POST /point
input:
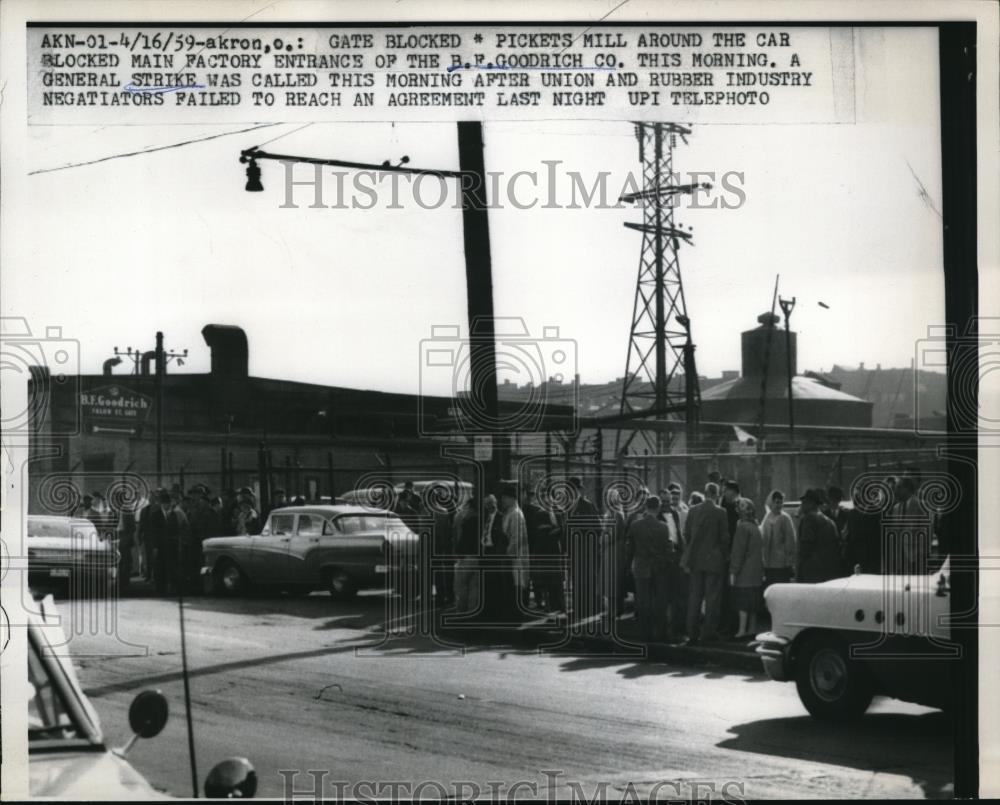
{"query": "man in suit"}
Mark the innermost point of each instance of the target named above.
(676, 581)
(652, 551)
(583, 529)
(706, 555)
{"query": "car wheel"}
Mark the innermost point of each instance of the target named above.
(341, 585)
(831, 685)
(229, 578)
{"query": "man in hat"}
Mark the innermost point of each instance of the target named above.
(818, 542)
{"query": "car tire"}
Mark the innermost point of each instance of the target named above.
(341, 586)
(229, 579)
(831, 685)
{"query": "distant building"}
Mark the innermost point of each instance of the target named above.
(815, 399)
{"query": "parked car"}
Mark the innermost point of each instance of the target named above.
(342, 549)
(67, 756)
(68, 552)
(846, 640)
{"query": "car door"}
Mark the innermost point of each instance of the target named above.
(358, 541)
(303, 549)
(269, 549)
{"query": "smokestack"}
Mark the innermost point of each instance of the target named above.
(147, 359)
(230, 354)
(110, 363)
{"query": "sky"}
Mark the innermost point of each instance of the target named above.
(847, 214)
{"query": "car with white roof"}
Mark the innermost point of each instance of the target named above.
(847, 640)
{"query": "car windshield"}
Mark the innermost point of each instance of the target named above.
(49, 718)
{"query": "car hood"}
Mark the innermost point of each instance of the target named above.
(87, 775)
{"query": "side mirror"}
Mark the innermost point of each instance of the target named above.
(234, 778)
(147, 716)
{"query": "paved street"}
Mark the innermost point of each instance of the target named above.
(303, 683)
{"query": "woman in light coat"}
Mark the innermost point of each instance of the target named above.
(746, 567)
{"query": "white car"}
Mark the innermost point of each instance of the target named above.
(67, 756)
(846, 640)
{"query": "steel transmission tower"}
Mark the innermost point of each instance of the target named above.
(660, 347)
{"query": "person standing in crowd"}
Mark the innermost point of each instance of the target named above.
(649, 538)
(695, 499)
(914, 548)
(154, 530)
(615, 555)
(833, 508)
(818, 542)
(87, 510)
(227, 512)
(746, 570)
(245, 520)
(778, 541)
(675, 580)
(706, 553)
(730, 499)
(676, 498)
(204, 524)
(583, 542)
(125, 532)
(444, 551)
(862, 537)
(408, 506)
(545, 555)
(516, 531)
(496, 581)
(278, 499)
(469, 530)
(140, 561)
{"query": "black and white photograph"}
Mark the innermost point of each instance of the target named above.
(587, 401)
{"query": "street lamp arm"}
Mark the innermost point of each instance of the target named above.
(255, 153)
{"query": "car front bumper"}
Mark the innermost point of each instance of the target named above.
(773, 652)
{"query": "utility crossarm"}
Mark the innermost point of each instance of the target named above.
(251, 155)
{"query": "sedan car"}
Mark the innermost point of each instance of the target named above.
(846, 640)
(342, 549)
(67, 552)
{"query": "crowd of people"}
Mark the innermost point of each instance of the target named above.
(159, 535)
(693, 570)
(696, 569)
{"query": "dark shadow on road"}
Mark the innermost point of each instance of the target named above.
(878, 742)
(632, 669)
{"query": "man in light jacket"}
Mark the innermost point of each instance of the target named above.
(516, 531)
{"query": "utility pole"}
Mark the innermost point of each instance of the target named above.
(160, 369)
(787, 306)
(479, 297)
(660, 345)
(161, 359)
